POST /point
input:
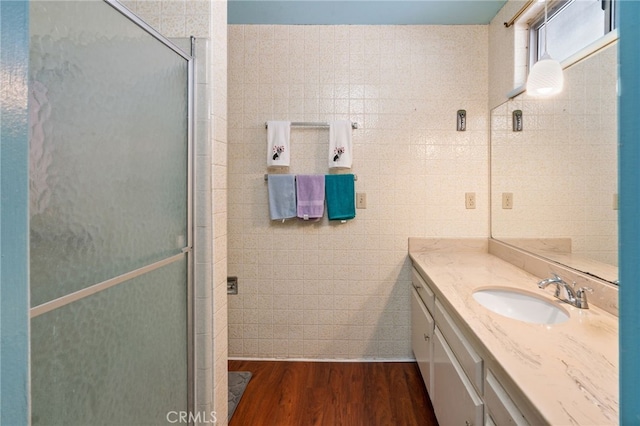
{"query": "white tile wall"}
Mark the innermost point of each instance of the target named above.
(327, 290)
(174, 18)
(508, 53)
(218, 34)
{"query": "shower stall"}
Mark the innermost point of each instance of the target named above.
(110, 196)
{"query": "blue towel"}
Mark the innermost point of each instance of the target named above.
(341, 196)
(282, 196)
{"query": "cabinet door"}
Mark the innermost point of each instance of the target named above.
(421, 338)
(455, 401)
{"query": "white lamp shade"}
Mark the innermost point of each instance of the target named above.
(545, 78)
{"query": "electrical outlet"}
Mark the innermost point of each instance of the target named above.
(615, 201)
(361, 200)
(470, 200)
(507, 200)
(232, 285)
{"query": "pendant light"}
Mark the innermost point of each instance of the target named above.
(545, 77)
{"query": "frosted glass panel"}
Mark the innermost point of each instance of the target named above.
(108, 153)
(113, 358)
(575, 26)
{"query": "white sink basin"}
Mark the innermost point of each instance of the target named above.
(520, 305)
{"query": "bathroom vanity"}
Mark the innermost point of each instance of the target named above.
(481, 367)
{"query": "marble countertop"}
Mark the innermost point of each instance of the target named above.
(567, 371)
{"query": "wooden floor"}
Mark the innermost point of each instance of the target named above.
(292, 393)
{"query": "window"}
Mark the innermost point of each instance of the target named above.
(571, 26)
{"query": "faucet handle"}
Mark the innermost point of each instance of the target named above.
(581, 297)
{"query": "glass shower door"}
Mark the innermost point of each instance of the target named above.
(110, 233)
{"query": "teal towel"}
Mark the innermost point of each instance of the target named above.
(341, 196)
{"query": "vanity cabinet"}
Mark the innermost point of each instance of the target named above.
(467, 356)
(499, 406)
(454, 399)
(421, 336)
(463, 390)
(423, 289)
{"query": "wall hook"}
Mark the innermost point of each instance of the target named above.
(462, 120)
(517, 120)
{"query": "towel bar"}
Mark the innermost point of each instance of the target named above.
(354, 125)
(266, 177)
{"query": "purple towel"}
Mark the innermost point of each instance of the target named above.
(310, 193)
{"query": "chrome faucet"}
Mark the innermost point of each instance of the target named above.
(566, 293)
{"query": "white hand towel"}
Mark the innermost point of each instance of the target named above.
(278, 133)
(340, 146)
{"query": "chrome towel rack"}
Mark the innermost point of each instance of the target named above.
(266, 176)
(354, 125)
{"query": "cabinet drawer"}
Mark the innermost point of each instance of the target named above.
(467, 356)
(455, 400)
(500, 407)
(421, 337)
(423, 289)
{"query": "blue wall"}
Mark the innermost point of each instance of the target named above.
(362, 12)
(14, 231)
(629, 159)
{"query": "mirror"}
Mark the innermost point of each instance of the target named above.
(554, 184)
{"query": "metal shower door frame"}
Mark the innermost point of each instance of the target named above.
(188, 250)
